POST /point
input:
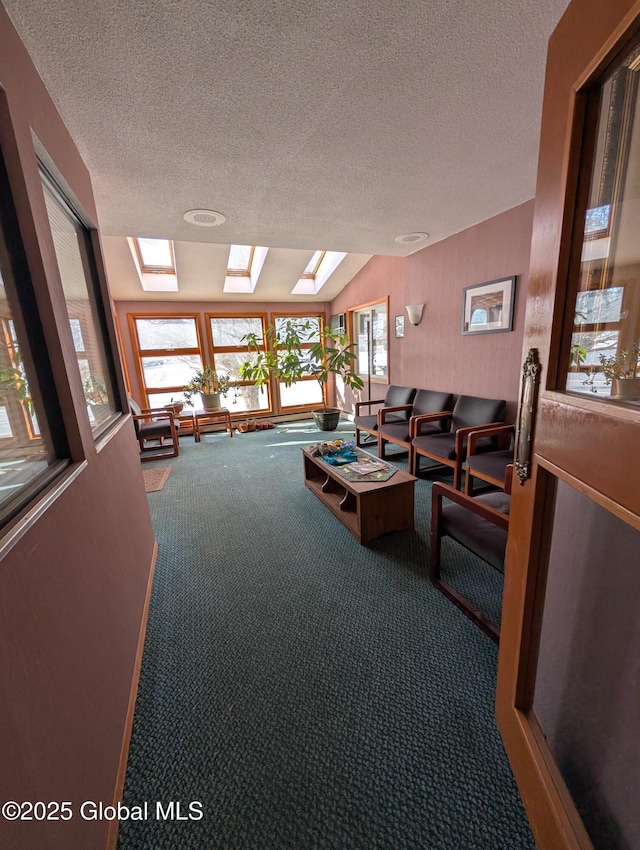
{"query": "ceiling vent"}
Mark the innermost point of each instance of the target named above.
(204, 218)
(411, 238)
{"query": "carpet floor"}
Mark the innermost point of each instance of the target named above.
(310, 693)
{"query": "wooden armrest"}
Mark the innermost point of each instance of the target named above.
(480, 509)
(371, 401)
(155, 410)
(149, 415)
(508, 479)
(382, 414)
(478, 434)
(463, 433)
(415, 423)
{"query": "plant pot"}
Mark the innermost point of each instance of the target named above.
(177, 408)
(326, 420)
(101, 410)
(628, 388)
(210, 401)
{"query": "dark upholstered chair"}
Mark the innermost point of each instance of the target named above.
(480, 524)
(470, 413)
(489, 466)
(425, 401)
(155, 424)
(395, 397)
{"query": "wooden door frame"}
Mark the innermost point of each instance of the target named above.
(589, 35)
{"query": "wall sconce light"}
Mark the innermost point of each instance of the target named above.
(414, 311)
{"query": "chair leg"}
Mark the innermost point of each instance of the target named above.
(457, 475)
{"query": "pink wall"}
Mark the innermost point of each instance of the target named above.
(72, 587)
(434, 354)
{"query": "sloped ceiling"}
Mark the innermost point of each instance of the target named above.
(332, 126)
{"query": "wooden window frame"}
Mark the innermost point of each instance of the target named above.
(234, 349)
(139, 353)
(369, 378)
(242, 272)
(146, 269)
(306, 314)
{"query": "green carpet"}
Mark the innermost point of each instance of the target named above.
(308, 691)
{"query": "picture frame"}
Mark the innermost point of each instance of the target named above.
(488, 307)
(399, 326)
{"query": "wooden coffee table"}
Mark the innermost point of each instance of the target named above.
(367, 508)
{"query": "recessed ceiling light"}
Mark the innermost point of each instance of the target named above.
(409, 238)
(204, 218)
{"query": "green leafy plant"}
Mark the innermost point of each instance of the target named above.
(12, 378)
(206, 381)
(621, 366)
(299, 349)
(578, 355)
(95, 390)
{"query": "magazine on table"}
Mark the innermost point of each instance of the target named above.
(364, 467)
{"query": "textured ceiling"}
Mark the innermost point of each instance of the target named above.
(332, 125)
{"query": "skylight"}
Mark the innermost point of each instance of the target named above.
(317, 272)
(240, 258)
(156, 255)
(155, 263)
(244, 267)
(313, 264)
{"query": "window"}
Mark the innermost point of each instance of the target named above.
(86, 317)
(604, 349)
(317, 272)
(306, 392)
(370, 332)
(244, 267)
(156, 255)
(229, 353)
(32, 441)
(168, 352)
(240, 257)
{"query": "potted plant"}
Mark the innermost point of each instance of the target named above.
(96, 394)
(620, 372)
(299, 349)
(209, 385)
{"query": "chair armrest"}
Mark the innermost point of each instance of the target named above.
(480, 509)
(415, 423)
(478, 434)
(463, 433)
(164, 414)
(371, 401)
(154, 410)
(382, 414)
(508, 479)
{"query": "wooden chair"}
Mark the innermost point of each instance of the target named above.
(470, 413)
(480, 524)
(399, 433)
(489, 466)
(395, 397)
(155, 424)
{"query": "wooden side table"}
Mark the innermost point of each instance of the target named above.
(211, 417)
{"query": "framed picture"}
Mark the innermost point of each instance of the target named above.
(488, 307)
(399, 326)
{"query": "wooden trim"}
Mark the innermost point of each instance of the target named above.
(139, 353)
(155, 269)
(213, 349)
(588, 38)
(112, 833)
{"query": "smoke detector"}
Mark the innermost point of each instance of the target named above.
(204, 218)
